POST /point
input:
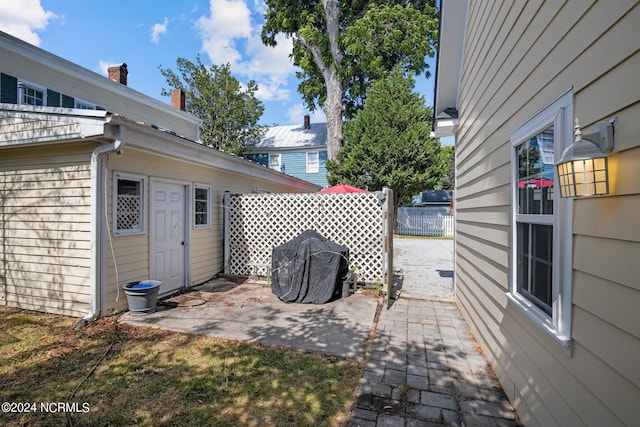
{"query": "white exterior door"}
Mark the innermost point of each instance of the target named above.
(167, 236)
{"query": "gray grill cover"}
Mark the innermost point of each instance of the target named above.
(309, 269)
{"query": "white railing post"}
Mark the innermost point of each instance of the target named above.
(388, 223)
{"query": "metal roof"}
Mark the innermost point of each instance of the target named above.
(294, 136)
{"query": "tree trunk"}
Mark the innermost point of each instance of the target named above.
(332, 106)
(333, 110)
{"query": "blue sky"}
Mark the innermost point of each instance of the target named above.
(147, 34)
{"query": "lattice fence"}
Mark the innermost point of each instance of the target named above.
(259, 222)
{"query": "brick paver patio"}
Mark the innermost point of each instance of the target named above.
(425, 369)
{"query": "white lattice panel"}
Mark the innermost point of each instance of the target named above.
(128, 212)
(260, 222)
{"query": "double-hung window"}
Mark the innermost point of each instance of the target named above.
(274, 162)
(129, 203)
(202, 206)
(541, 231)
(313, 162)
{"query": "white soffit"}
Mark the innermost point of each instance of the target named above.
(453, 16)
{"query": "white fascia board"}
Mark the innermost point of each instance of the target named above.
(453, 17)
(151, 140)
(35, 124)
(50, 113)
(276, 150)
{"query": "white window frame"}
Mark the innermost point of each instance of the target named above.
(143, 202)
(279, 157)
(558, 114)
(198, 186)
(23, 84)
(83, 105)
(313, 167)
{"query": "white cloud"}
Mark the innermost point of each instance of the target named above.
(295, 115)
(230, 36)
(23, 18)
(229, 22)
(263, 59)
(159, 29)
(271, 88)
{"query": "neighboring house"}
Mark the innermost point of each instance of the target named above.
(101, 185)
(549, 285)
(299, 151)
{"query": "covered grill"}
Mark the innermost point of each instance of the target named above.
(309, 269)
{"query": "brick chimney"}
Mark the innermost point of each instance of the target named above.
(307, 123)
(178, 99)
(118, 73)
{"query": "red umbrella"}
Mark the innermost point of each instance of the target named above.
(535, 183)
(342, 188)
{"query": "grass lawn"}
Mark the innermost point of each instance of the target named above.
(115, 374)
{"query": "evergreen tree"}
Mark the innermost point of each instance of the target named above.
(387, 143)
(449, 178)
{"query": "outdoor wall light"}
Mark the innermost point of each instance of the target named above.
(583, 168)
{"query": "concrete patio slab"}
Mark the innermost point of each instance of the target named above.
(251, 312)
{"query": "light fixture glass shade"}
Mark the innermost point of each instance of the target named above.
(584, 177)
(583, 171)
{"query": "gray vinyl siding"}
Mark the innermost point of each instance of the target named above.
(520, 56)
(45, 228)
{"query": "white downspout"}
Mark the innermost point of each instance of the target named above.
(98, 177)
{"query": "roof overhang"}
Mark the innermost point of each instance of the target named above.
(29, 125)
(26, 125)
(453, 21)
(148, 139)
(20, 58)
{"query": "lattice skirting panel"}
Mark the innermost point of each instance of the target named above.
(259, 222)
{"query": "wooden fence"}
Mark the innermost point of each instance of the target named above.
(419, 222)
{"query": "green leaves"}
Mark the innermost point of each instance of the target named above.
(387, 143)
(374, 36)
(230, 113)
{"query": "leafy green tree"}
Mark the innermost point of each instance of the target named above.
(529, 164)
(343, 46)
(387, 143)
(230, 114)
